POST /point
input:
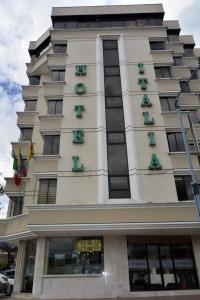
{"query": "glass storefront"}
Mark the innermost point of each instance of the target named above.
(161, 266)
(75, 255)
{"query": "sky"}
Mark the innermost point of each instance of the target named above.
(25, 20)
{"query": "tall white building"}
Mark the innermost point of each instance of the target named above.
(106, 210)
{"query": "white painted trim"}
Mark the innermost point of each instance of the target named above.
(101, 123)
(18, 236)
(116, 227)
(111, 206)
(128, 119)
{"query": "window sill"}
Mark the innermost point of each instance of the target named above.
(51, 116)
(71, 275)
(57, 54)
(26, 112)
(47, 157)
(181, 153)
(165, 78)
(54, 82)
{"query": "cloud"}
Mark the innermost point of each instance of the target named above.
(4, 201)
(190, 21)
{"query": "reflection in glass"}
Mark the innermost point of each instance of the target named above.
(75, 256)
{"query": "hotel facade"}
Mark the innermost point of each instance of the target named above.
(106, 209)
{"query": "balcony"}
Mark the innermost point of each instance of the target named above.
(176, 47)
(191, 62)
(11, 187)
(26, 117)
(46, 163)
(189, 100)
(53, 88)
(56, 60)
(171, 120)
(168, 85)
(50, 122)
(195, 86)
(163, 57)
(171, 24)
(187, 39)
(180, 72)
(179, 160)
(24, 146)
(39, 65)
(30, 91)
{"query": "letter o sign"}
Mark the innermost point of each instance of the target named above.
(80, 88)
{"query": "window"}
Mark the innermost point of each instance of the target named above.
(30, 105)
(168, 103)
(58, 75)
(26, 134)
(51, 144)
(55, 107)
(162, 72)
(100, 21)
(188, 50)
(76, 255)
(119, 187)
(60, 48)
(173, 35)
(157, 45)
(194, 74)
(184, 87)
(161, 266)
(118, 177)
(183, 187)
(178, 61)
(175, 142)
(34, 80)
(47, 191)
(16, 206)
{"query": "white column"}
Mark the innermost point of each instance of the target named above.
(196, 251)
(39, 267)
(20, 262)
(101, 125)
(128, 119)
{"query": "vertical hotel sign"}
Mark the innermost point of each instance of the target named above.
(78, 134)
(148, 120)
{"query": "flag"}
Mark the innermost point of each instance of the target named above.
(22, 168)
(21, 165)
(31, 152)
(17, 178)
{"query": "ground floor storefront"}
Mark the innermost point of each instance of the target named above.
(108, 267)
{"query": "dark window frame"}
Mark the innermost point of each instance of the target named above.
(184, 189)
(60, 48)
(157, 45)
(177, 136)
(58, 75)
(178, 61)
(51, 141)
(90, 255)
(146, 256)
(165, 102)
(57, 109)
(24, 136)
(162, 72)
(30, 105)
(34, 80)
(17, 203)
(45, 198)
(184, 86)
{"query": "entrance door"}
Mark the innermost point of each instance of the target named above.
(29, 266)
